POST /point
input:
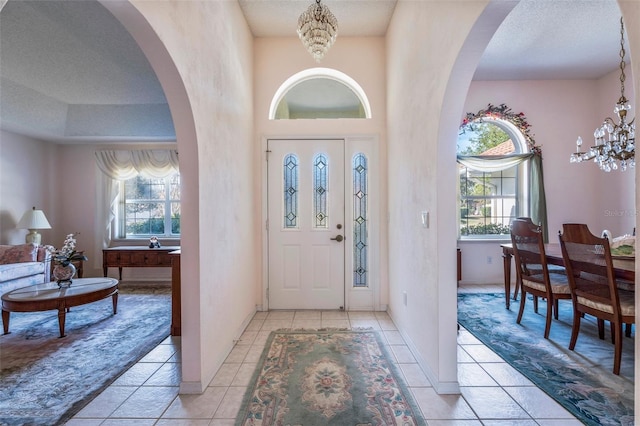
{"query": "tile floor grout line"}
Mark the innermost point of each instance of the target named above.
(380, 321)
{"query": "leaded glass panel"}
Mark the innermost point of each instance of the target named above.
(360, 221)
(290, 173)
(320, 190)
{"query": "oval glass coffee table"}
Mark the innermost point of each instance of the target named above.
(48, 296)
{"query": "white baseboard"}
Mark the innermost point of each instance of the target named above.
(197, 387)
(191, 388)
(442, 388)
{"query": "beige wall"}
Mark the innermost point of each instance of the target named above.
(211, 47)
(26, 170)
(422, 56)
(631, 12)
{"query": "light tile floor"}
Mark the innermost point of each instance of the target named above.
(492, 392)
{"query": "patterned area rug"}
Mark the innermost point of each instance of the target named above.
(327, 377)
(45, 379)
(582, 380)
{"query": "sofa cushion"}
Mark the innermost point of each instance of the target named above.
(18, 253)
(13, 271)
(7, 286)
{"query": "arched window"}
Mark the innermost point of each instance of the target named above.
(498, 178)
(319, 93)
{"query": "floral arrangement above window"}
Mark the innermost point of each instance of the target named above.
(502, 112)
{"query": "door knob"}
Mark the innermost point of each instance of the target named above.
(338, 238)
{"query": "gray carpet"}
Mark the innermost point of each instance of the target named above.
(45, 380)
(581, 380)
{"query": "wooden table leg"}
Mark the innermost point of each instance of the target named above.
(5, 321)
(114, 300)
(506, 258)
(62, 312)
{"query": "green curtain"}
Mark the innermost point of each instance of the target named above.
(537, 199)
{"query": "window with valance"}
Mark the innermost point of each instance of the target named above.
(140, 194)
(500, 174)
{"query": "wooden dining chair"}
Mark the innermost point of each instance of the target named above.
(532, 272)
(552, 269)
(592, 281)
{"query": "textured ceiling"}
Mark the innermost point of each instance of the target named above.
(554, 39)
(279, 18)
(70, 72)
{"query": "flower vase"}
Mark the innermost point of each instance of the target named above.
(63, 274)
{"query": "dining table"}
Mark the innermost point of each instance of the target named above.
(624, 267)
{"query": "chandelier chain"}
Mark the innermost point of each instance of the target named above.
(614, 141)
(623, 77)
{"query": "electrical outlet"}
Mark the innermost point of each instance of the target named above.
(404, 298)
(489, 260)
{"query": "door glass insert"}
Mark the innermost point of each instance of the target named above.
(320, 173)
(360, 221)
(290, 172)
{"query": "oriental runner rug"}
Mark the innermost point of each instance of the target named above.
(582, 380)
(322, 377)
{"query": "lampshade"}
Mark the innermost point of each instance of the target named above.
(33, 219)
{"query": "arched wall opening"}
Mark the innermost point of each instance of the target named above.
(449, 123)
(455, 96)
(182, 116)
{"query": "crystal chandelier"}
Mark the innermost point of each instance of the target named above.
(317, 29)
(619, 144)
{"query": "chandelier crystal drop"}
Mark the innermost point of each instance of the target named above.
(317, 29)
(615, 143)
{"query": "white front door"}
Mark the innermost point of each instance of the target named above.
(306, 222)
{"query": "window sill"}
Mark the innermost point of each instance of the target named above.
(484, 239)
(144, 241)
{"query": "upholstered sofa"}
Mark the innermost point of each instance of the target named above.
(22, 265)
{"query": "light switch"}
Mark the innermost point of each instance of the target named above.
(425, 219)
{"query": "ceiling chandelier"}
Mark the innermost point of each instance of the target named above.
(619, 144)
(317, 29)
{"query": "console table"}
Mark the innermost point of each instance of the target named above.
(176, 308)
(136, 257)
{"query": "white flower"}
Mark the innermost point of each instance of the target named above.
(67, 253)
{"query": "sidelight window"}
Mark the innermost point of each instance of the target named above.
(290, 172)
(360, 221)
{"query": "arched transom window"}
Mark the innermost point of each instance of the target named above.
(319, 93)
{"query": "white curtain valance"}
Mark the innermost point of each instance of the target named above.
(124, 164)
(494, 163)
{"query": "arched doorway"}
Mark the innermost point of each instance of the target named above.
(183, 120)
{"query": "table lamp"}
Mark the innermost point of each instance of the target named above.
(33, 220)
